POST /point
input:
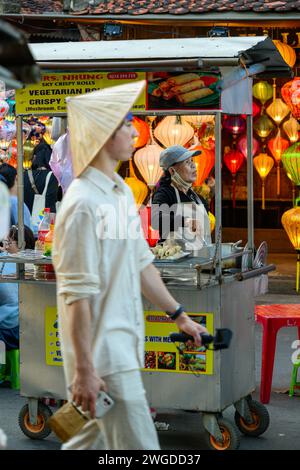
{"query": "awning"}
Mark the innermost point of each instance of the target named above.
(17, 63)
(163, 54)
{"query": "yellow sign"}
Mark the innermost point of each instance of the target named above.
(48, 96)
(52, 339)
(161, 355)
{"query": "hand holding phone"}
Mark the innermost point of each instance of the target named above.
(104, 403)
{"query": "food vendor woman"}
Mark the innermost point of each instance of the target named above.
(177, 211)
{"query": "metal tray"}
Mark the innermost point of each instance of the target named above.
(173, 259)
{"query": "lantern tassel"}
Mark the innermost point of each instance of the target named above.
(278, 178)
(263, 195)
(298, 272)
(233, 192)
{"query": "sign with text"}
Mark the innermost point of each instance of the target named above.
(52, 338)
(49, 95)
(161, 355)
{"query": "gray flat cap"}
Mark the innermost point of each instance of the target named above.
(175, 154)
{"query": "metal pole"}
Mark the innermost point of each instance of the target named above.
(20, 185)
(250, 196)
(218, 192)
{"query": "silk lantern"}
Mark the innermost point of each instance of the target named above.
(28, 149)
(277, 146)
(173, 131)
(263, 126)
(143, 130)
(242, 146)
(233, 159)
(198, 120)
(263, 164)
(263, 92)
(138, 187)
(147, 161)
(291, 162)
(291, 224)
(255, 110)
(291, 128)
(278, 110)
(234, 124)
(151, 235)
(204, 163)
(290, 93)
(287, 52)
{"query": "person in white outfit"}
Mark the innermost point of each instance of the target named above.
(102, 264)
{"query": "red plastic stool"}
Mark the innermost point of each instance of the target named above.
(272, 318)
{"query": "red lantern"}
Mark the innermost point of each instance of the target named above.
(290, 92)
(277, 146)
(144, 132)
(151, 235)
(233, 159)
(204, 163)
(255, 110)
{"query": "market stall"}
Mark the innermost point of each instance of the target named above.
(213, 292)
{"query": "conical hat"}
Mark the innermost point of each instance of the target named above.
(94, 117)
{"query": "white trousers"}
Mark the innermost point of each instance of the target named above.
(127, 426)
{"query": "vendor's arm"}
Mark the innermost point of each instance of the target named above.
(156, 292)
(86, 383)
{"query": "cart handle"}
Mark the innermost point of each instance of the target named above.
(221, 340)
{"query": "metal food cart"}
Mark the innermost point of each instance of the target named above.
(222, 298)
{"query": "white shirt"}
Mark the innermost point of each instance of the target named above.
(91, 265)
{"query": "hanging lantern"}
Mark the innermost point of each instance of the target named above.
(242, 146)
(151, 235)
(287, 52)
(198, 121)
(291, 162)
(291, 94)
(4, 107)
(278, 110)
(277, 146)
(206, 135)
(173, 131)
(138, 187)
(212, 221)
(28, 149)
(143, 130)
(263, 92)
(291, 128)
(234, 124)
(263, 126)
(233, 159)
(255, 110)
(12, 153)
(263, 164)
(147, 161)
(291, 224)
(204, 163)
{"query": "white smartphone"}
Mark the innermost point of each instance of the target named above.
(104, 403)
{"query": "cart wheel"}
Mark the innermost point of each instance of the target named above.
(35, 431)
(231, 438)
(260, 416)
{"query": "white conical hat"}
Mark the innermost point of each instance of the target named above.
(94, 117)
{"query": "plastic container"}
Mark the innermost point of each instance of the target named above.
(43, 229)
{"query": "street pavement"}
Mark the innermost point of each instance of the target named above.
(185, 428)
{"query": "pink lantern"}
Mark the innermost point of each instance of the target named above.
(242, 146)
(234, 124)
(4, 107)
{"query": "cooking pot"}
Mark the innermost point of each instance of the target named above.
(227, 249)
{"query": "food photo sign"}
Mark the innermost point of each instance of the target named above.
(192, 90)
(161, 355)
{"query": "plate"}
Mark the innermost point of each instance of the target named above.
(260, 259)
(177, 257)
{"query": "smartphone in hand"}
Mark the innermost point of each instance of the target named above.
(104, 403)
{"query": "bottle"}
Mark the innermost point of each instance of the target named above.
(48, 249)
(43, 229)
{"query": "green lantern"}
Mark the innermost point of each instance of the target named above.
(291, 163)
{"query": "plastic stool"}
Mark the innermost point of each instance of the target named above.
(273, 317)
(294, 383)
(11, 370)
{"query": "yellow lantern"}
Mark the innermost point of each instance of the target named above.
(212, 221)
(291, 128)
(262, 91)
(278, 110)
(263, 165)
(263, 126)
(173, 131)
(291, 224)
(138, 187)
(197, 121)
(287, 52)
(28, 149)
(147, 161)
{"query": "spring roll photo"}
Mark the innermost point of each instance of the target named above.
(180, 79)
(185, 98)
(168, 95)
(190, 86)
(164, 86)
